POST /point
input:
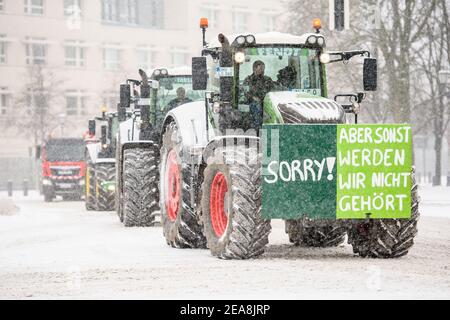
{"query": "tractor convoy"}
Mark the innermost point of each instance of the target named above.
(188, 144)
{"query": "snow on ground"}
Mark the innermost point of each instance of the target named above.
(59, 250)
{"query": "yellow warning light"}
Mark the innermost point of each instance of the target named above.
(317, 24)
(204, 23)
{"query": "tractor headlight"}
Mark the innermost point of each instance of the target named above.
(356, 108)
(111, 187)
(320, 41)
(325, 58)
(312, 40)
(240, 40)
(164, 72)
(250, 39)
(239, 57)
(104, 146)
(82, 182)
(157, 72)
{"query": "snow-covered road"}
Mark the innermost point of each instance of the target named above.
(59, 250)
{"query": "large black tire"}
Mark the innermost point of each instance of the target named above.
(306, 233)
(119, 175)
(140, 186)
(246, 233)
(90, 195)
(105, 172)
(386, 238)
(184, 230)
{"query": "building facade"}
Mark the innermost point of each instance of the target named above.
(87, 47)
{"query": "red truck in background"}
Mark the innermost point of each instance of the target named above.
(63, 168)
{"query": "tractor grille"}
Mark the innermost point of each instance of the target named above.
(312, 112)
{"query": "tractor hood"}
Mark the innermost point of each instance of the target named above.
(298, 107)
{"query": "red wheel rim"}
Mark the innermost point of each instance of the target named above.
(219, 218)
(172, 186)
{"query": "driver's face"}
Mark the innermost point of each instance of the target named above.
(259, 71)
(181, 93)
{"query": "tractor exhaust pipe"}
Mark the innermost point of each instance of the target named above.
(144, 106)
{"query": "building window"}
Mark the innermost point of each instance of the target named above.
(111, 58)
(145, 57)
(268, 20)
(131, 13)
(36, 51)
(2, 5)
(144, 13)
(240, 17)
(75, 103)
(180, 56)
(74, 52)
(72, 8)
(211, 11)
(3, 102)
(110, 10)
(34, 7)
(2, 49)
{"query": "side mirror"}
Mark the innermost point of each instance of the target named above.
(91, 127)
(199, 73)
(38, 152)
(125, 95)
(370, 74)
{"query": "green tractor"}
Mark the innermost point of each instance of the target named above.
(150, 98)
(211, 170)
(100, 159)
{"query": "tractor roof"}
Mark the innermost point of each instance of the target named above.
(267, 38)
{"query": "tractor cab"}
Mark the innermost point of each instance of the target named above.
(273, 78)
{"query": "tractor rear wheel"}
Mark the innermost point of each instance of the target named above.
(105, 173)
(90, 196)
(386, 238)
(231, 204)
(140, 186)
(178, 217)
(305, 233)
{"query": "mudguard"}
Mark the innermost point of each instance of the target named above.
(190, 119)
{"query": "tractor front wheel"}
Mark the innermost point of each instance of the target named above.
(140, 186)
(105, 173)
(90, 196)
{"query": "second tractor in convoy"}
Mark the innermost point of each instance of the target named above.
(137, 166)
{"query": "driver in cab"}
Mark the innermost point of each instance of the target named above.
(259, 85)
(179, 100)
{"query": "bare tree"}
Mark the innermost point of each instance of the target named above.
(433, 57)
(37, 105)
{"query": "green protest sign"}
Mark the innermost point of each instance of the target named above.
(337, 171)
